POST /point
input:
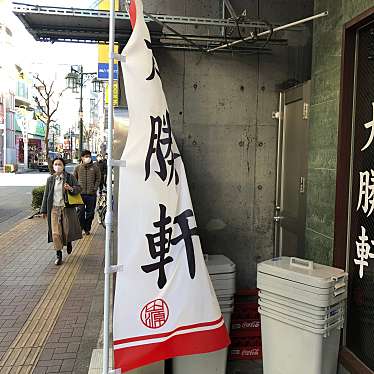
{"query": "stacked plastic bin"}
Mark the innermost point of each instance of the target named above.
(222, 273)
(302, 307)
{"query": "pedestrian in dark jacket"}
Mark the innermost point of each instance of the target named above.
(102, 164)
(88, 175)
(63, 223)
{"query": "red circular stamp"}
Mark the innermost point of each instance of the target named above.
(155, 314)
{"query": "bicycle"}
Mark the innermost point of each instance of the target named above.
(101, 208)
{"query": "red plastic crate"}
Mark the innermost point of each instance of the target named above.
(246, 305)
(245, 327)
(245, 348)
(245, 353)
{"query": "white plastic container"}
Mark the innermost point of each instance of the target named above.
(318, 312)
(302, 313)
(155, 368)
(222, 273)
(219, 264)
(303, 319)
(303, 281)
(208, 363)
(292, 348)
(290, 311)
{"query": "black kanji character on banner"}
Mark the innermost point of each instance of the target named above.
(186, 235)
(159, 245)
(165, 158)
(154, 65)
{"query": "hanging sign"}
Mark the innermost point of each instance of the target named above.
(165, 304)
(103, 49)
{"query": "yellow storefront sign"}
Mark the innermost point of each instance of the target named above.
(115, 93)
(103, 49)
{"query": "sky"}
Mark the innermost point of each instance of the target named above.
(47, 53)
(52, 61)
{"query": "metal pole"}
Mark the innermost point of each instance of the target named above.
(277, 246)
(5, 129)
(81, 111)
(323, 14)
(231, 9)
(71, 143)
(109, 212)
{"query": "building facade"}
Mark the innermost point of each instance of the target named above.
(338, 224)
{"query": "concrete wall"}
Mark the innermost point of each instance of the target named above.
(327, 43)
(221, 109)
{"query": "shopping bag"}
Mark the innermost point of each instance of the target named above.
(75, 200)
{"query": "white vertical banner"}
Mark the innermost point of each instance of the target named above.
(165, 305)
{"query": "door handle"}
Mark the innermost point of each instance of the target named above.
(278, 218)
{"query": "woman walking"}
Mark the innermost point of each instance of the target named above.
(63, 223)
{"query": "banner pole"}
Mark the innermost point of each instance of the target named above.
(109, 213)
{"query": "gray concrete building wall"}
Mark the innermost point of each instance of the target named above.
(221, 109)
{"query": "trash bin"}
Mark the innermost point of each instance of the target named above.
(302, 308)
(222, 273)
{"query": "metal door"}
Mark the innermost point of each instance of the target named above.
(290, 209)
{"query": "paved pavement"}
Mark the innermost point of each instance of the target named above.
(15, 195)
(50, 317)
(15, 205)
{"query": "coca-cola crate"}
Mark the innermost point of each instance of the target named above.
(246, 305)
(245, 353)
(246, 341)
(245, 348)
(245, 327)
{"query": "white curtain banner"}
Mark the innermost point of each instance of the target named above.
(165, 305)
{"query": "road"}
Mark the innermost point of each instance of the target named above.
(16, 196)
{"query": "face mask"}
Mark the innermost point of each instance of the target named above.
(58, 168)
(87, 160)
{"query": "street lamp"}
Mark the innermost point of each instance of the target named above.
(97, 85)
(72, 80)
(75, 81)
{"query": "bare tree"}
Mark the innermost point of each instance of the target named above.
(47, 101)
(88, 133)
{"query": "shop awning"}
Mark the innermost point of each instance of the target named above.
(56, 24)
(46, 23)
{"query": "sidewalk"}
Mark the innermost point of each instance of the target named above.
(50, 317)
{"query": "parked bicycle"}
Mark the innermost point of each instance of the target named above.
(101, 208)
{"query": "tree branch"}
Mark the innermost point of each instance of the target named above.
(40, 106)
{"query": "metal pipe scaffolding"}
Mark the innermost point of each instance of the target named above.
(287, 26)
(109, 212)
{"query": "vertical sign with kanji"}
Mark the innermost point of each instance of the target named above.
(360, 237)
(165, 305)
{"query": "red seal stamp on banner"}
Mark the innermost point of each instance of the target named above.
(155, 314)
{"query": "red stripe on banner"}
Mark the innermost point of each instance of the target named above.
(181, 345)
(165, 334)
(132, 12)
